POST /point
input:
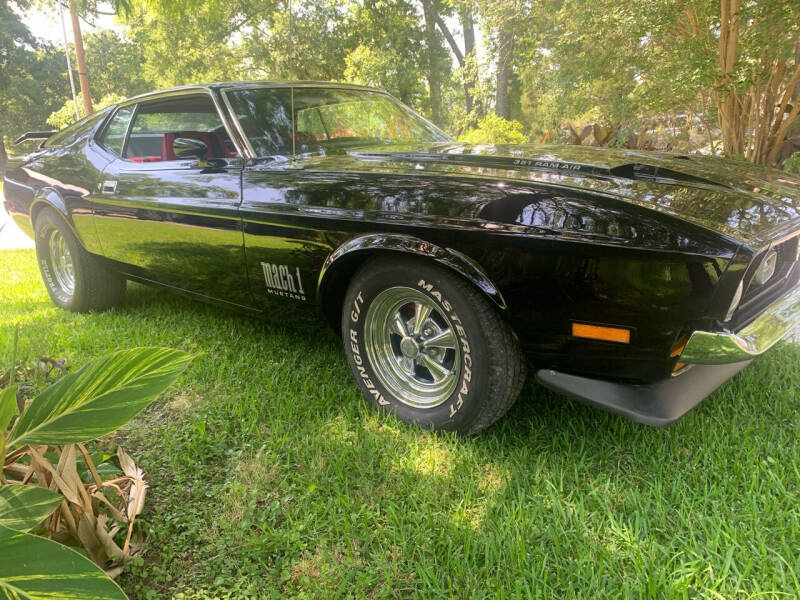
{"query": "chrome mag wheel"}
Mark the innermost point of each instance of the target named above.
(412, 346)
(61, 262)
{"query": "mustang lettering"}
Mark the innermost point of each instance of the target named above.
(282, 283)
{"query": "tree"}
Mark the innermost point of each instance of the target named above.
(116, 63)
(584, 61)
(751, 53)
(75, 9)
(117, 67)
(391, 53)
(434, 76)
(65, 116)
(249, 39)
(32, 78)
(720, 62)
(466, 58)
(501, 19)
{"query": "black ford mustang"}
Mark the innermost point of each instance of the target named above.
(638, 282)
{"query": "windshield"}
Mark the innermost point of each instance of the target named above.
(325, 120)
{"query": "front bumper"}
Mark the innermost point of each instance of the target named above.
(775, 323)
(661, 403)
(714, 358)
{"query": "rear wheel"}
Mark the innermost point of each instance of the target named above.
(75, 279)
(428, 347)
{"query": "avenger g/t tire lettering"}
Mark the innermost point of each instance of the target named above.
(75, 279)
(428, 347)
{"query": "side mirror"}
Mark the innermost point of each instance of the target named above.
(189, 148)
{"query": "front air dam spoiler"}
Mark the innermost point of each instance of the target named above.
(661, 403)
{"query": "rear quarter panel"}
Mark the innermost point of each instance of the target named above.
(64, 178)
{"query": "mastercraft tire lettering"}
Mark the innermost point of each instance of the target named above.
(426, 346)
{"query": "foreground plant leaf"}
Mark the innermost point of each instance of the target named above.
(99, 397)
(34, 568)
(8, 406)
(22, 507)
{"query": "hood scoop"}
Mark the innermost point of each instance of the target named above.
(645, 172)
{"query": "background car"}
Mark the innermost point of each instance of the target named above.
(637, 282)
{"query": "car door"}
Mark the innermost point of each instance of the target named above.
(295, 213)
(174, 220)
(284, 250)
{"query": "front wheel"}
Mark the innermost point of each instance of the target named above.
(75, 279)
(428, 347)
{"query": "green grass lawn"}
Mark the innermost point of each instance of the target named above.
(271, 478)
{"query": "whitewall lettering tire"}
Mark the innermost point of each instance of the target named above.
(75, 279)
(428, 347)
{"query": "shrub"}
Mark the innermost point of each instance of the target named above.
(65, 115)
(493, 129)
(792, 164)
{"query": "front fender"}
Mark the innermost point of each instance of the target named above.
(373, 243)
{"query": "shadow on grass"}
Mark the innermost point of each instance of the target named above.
(539, 413)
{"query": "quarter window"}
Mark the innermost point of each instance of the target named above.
(114, 135)
(74, 132)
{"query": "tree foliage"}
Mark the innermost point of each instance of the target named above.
(494, 129)
(695, 74)
(65, 116)
(32, 77)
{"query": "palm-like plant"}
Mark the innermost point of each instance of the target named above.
(41, 487)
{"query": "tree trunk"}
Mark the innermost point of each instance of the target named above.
(434, 77)
(728, 100)
(80, 58)
(505, 50)
(468, 27)
(796, 90)
(3, 157)
(790, 103)
(428, 5)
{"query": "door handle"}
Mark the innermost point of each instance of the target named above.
(108, 187)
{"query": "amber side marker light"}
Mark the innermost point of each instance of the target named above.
(599, 332)
(677, 350)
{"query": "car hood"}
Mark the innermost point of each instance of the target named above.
(744, 202)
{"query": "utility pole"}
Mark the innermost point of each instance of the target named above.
(69, 62)
(80, 58)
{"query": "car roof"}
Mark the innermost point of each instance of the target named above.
(225, 85)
